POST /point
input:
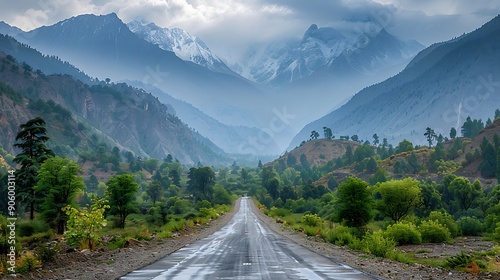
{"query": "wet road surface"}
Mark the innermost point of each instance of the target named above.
(245, 249)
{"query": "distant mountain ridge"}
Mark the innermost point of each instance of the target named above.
(103, 46)
(185, 46)
(282, 63)
(117, 113)
(439, 88)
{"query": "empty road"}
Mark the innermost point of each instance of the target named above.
(245, 249)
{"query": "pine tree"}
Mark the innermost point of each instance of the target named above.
(32, 137)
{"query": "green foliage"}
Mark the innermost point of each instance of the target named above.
(433, 232)
(59, 183)
(445, 219)
(27, 262)
(221, 196)
(404, 234)
(311, 220)
(470, 226)
(48, 253)
(378, 245)
(201, 182)
(31, 140)
(30, 227)
(117, 242)
(461, 261)
(120, 193)
(354, 203)
(464, 192)
(398, 198)
(340, 236)
(83, 224)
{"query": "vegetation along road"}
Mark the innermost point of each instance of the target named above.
(245, 249)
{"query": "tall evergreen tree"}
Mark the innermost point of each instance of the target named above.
(31, 140)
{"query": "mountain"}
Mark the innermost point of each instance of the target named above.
(76, 114)
(439, 88)
(104, 47)
(185, 46)
(325, 49)
(229, 137)
(8, 29)
(47, 64)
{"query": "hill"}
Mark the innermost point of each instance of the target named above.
(440, 87)
(81, 116)
(317, 152)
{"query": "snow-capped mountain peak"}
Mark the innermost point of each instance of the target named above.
(179, 41)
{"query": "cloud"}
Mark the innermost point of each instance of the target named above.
(229, 26)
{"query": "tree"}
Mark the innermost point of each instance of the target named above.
(404, 146)
(464, 192)
(371, 165)
(453, 133)
(32, 136)
(355, 138)
(221, 196)
(121, 193)
(154, 190)
(488, 167)
(327, 132)
(58, 182)
(430, 135)
(291, 160)
(375, 139)
(200, 183)
(354, 202)
(398, 197)
(497, 114)
(83, 224)
(151, 165)
(245, 176)
(314, 135)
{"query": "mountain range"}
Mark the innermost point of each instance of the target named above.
(115, 114)
(259, 103)
(439, 88)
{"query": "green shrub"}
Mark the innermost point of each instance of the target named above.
(48, 253)
(203, 204)
(444, 218)
(117, 242)
(30, 227)
(378, 245)
(433, 232)
(312, 220)
(311, 231)
(279, 212)
(459, 261)
(208, 213)
(164, 234)
(340, 236)
(404, 234)
(470, 226)
(27, 262)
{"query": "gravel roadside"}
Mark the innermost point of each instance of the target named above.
(379, 268)
(108, 265)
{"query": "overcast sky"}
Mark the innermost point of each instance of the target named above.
(230, 25)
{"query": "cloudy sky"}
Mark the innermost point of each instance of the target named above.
(230, 25)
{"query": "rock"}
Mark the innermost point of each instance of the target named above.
(85, 251)
(70, 250)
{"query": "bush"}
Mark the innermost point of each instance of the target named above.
(117, 243)
(312, 220)
(30, 227)
(461, 261)
(378, 245)
(47, 252)
(203, 204)
(445, 219)
(208, 213)
(470, 226)
(311, 231)
(27, 262)
(340, 236)
(404, 234)
(433, 232)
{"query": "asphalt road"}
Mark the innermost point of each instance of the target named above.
(245, 249)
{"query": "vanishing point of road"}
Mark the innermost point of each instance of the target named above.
(245, 248)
